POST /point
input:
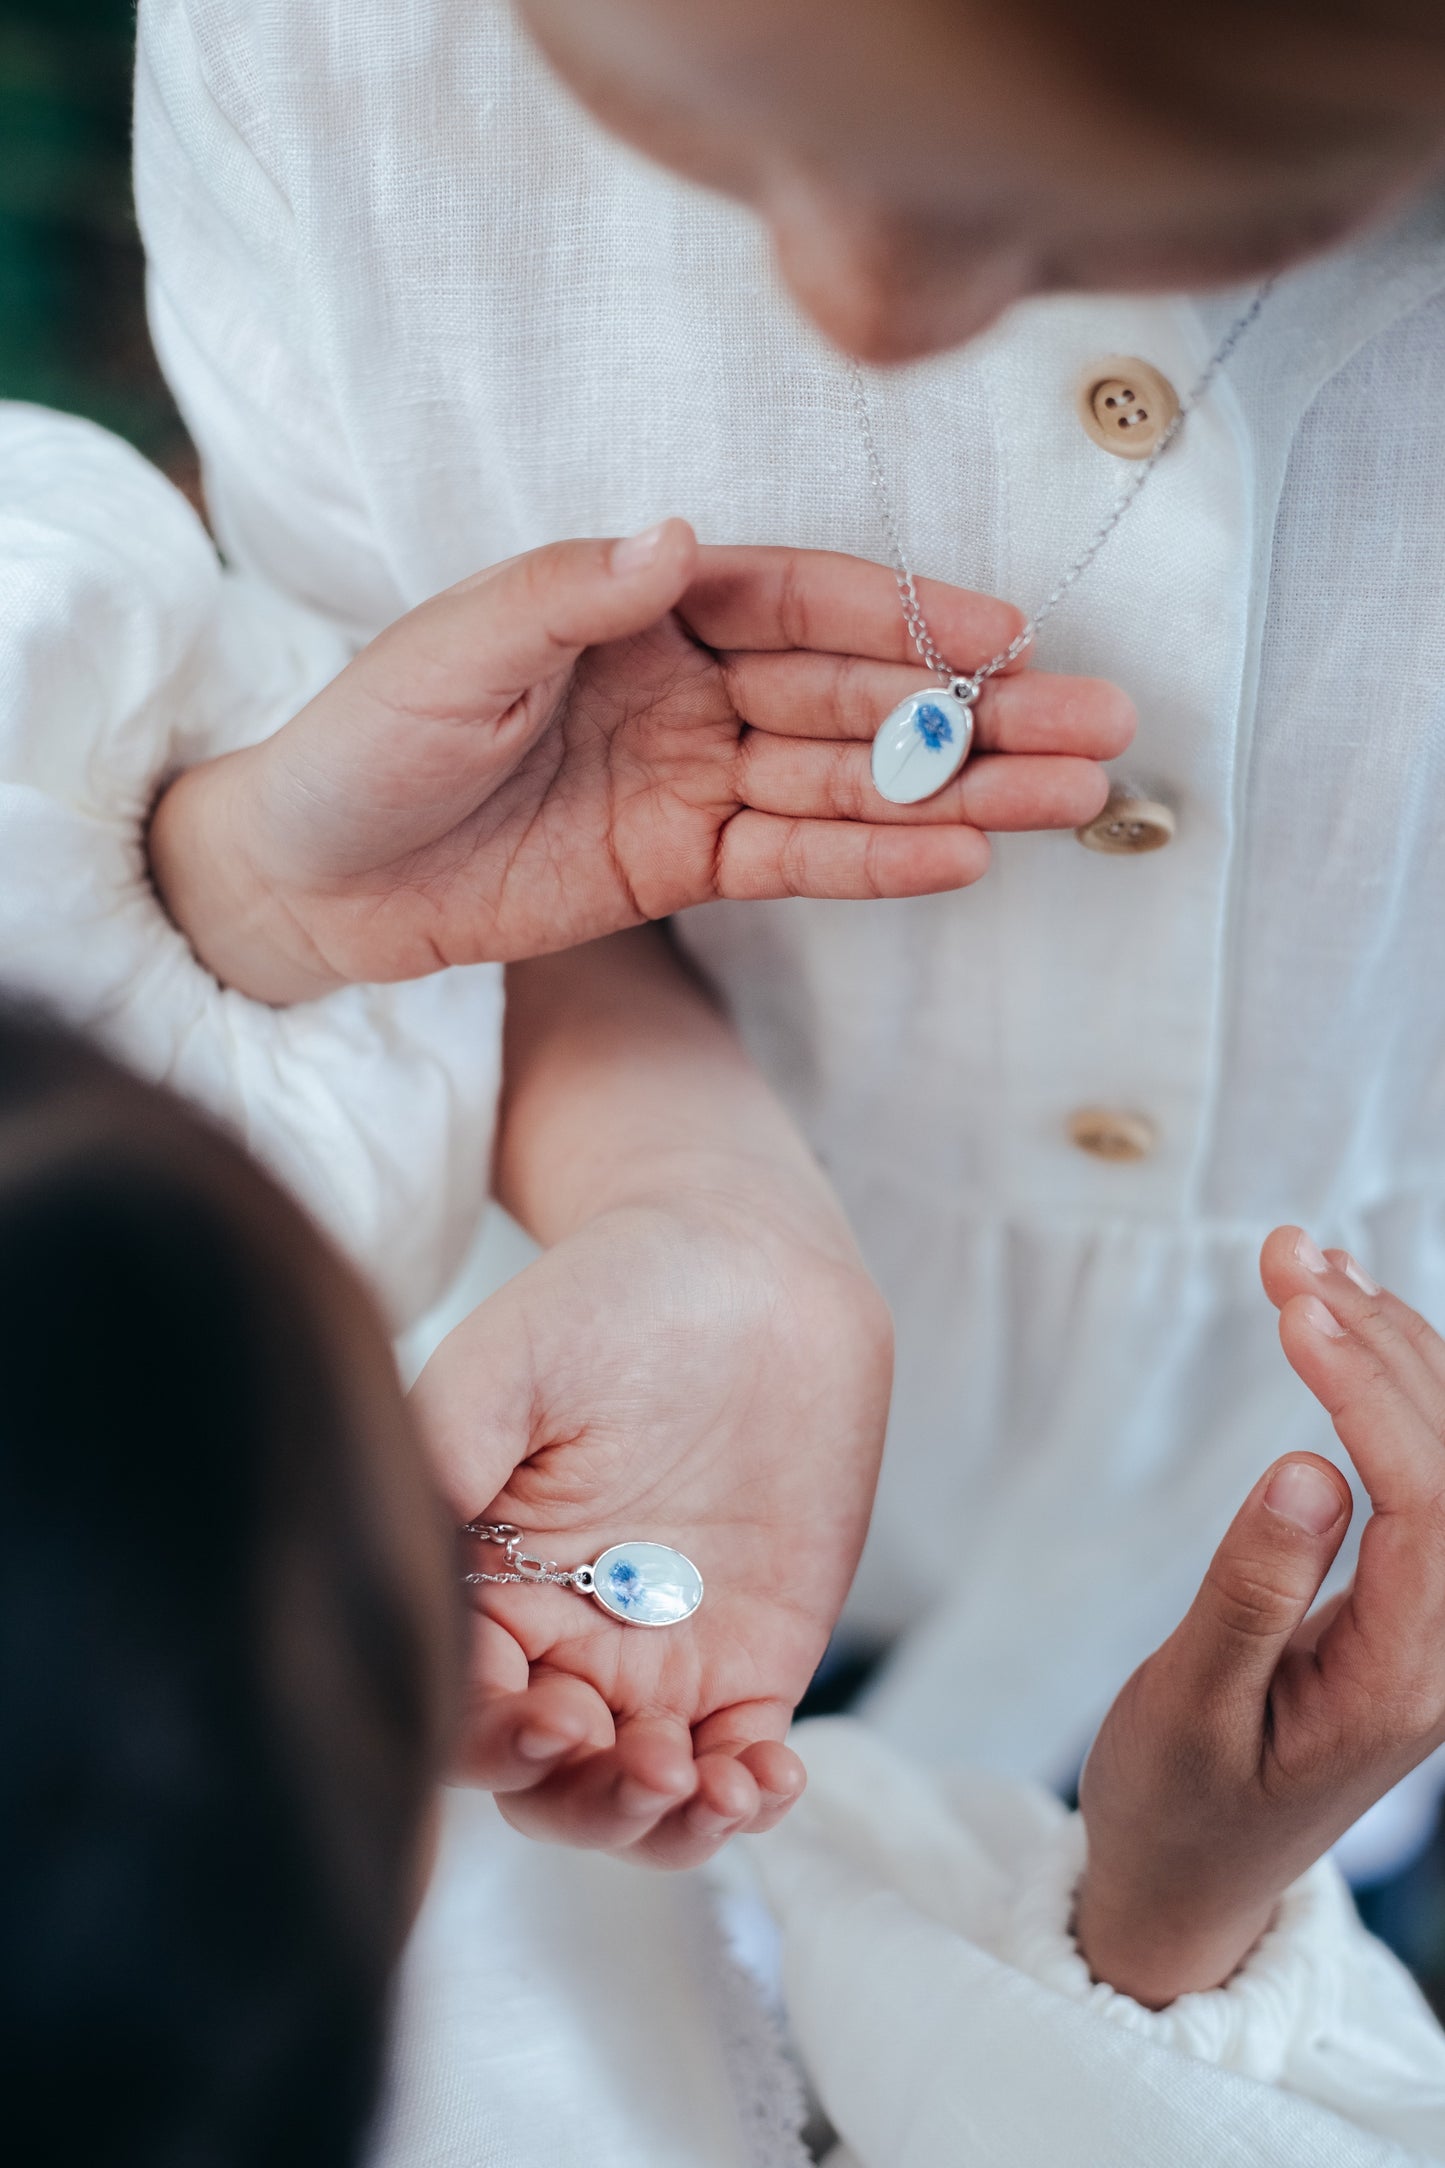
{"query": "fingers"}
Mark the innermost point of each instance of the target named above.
(489, 640)
(514, 1742)
(781, 1780)
(1376, 1367)
(742, 1790)
(725, 1802)
(847, 696)
(1372, 1362)
(761, 855)
(781, 598)
(612, 1800)
(747, 1781)
(658, 1796)
(649, 1800)
(806, 757)
(1260, 1586)
(754, 1734)
(803, 779)
(519, 1725)
(1320, 1622)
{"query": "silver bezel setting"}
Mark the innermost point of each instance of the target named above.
(623, 1618)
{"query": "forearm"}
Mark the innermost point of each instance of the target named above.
(624, 1083)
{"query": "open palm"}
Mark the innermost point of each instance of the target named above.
(660, 1375)
(548, 753)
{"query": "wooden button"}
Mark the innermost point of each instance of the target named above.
(1113, 1133)
(1128, 825)
(1126, 405)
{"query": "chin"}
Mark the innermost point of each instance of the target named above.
(889, 328)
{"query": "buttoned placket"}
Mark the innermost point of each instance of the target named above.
(1107, 1003)
(1111, 1024)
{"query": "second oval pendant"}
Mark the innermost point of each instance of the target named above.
(921, 746)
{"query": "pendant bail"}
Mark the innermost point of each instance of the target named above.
(965, 690)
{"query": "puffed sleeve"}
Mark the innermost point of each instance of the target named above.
(945, 2015)
(126, 653)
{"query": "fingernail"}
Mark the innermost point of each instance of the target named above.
(636, 1798)
(1304, 1494)
(1361, 1278)
(1309, 1253)
(707, 1822)
(1322, 1320)
(638, 551)
(533, 1744)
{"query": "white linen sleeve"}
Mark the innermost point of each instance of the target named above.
(945, 2016)
(126, 653)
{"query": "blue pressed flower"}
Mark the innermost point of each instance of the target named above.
(933, 726)
(622, 1582)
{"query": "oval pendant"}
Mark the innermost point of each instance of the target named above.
(645, 1584)
(921, 746)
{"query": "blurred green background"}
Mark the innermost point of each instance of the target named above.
(72, 319)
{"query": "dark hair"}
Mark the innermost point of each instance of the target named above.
(222, 1711)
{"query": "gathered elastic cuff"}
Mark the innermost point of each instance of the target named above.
(1250, 2025)
(374, 1105)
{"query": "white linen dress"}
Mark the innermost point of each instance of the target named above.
(421, 314)
(559, 2010)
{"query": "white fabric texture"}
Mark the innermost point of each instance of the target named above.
(947, 2021)
(561, 2010)
(127, 653)
(564, 2011)
(421, 314)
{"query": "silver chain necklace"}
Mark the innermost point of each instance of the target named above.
(922, 745)
(642, 1584)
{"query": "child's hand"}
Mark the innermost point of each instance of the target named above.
(600, 734)
(1250, 1742)
(721, 1382)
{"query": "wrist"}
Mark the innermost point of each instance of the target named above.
(625, 1085)
(1155, 1938)
(777, 1201)
(239, 923)
(760, 1257)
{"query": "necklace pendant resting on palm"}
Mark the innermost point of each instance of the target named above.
(642, 1584)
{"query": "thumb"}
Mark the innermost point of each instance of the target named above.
(1263, 1579)
(430, 719)
(472, 1403)
(493, 637)
(482, 1399)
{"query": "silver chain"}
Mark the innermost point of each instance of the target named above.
(965, 684)
(520, 1567)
